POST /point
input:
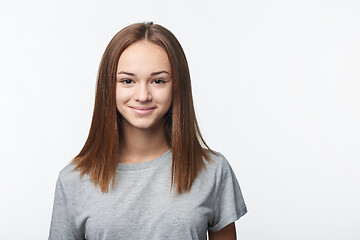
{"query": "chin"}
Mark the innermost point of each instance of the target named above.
(141, 123)
(143, 126)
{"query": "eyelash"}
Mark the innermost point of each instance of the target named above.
(124, 81)
(162, 81)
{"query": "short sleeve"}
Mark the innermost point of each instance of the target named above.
(229, 203)
(62, 221)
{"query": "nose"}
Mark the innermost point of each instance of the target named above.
(142, 93)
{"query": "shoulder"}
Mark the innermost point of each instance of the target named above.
(216, 160)
(68, 171)
(69, 176)
(218, 164)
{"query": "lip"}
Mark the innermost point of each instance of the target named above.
(143, 110)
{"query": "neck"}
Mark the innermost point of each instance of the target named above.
(140, 145)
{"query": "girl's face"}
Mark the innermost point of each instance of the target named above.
(144, 85)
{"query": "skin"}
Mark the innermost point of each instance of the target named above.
(144, 80)
(227, 233)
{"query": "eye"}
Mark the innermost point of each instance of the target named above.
(126, 81)
(159, 81)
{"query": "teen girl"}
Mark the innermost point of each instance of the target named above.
(143, 173)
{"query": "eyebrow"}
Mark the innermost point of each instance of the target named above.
(152, 74)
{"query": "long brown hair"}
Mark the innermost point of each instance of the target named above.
(100, 155)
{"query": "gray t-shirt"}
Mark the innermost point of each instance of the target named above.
(141, 206)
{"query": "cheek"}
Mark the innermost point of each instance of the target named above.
(166, 97)
(121, 97)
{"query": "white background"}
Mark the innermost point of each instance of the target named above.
(276, 86)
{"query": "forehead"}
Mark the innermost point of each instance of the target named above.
(144, 56)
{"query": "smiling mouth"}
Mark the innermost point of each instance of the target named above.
(142, 110)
